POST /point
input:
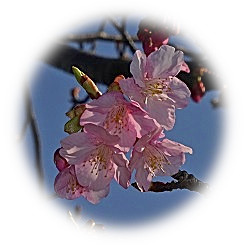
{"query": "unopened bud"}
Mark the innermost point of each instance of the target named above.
(60, 161)
(153, 36)
(198, 91)
(87, 83)
(78, 74)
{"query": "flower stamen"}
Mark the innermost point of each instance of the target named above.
(156, 87)
(99, 159)
(116, 119)
(154, 159)
(73, 186)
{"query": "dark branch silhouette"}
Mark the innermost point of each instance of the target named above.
(104, 70)
(184, 181)
(102, 36)
(125, 35)
(30, 119)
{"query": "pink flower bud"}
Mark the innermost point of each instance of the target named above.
(197, 91)
(59, 161)
(153, 36)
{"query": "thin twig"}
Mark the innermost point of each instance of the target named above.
(122, 46)
(24, 128)
(125, 35)
(102, 26)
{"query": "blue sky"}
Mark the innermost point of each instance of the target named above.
(197, 126)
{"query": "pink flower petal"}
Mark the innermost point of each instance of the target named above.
(174, 148)
(120, 159)
(127, 139)
(185, 68)
(147, 138)
(137, 67)
(176, 163)
(164, 62)
(101, 134)
(136, 159)
(122, 176)
(175, 153)
(97, 109)
(142, 123)
(94, 179)
(77, 147)
(132, 90)
(104, 101)
(66, 185)
(122, 173)
(90, 117)
(162, 111)
(143, 178)
(180, 93)
(157, 134)
(95, 196)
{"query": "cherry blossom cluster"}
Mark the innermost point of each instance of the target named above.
(131, 117)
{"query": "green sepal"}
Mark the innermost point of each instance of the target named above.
(76, 111)
(71, 113)
(73, 125)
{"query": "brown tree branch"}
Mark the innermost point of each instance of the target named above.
(103, 36)
(184, 181)
(99, 69)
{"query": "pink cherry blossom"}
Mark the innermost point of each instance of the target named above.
(96, 158)
(152, 157)
(67, 186)
(197, 91)
(119, 117)
(154, 85)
